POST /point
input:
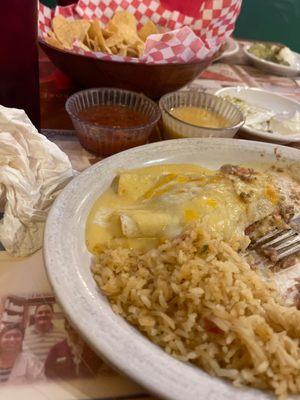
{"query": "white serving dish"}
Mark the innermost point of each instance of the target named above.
(271, 67)
(265, 99)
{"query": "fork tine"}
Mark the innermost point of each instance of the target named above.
(282, 236)
(280, 243)
(286, 243)
(268, 236)
(290, 251)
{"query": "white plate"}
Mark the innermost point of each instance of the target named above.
(232, 47)
(272, 67)
(265, 99)
(68, 265)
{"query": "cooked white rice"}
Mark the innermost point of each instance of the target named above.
(200, 300)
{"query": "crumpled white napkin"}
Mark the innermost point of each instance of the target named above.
(33, 171)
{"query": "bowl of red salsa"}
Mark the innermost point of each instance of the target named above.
(109, 120)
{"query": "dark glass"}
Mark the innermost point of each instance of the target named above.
(19, 74)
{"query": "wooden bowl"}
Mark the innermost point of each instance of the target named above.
(152, 80)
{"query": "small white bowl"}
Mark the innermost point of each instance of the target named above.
(271, 67)
(265, 99)
(232, 47)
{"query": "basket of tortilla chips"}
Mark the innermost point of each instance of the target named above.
(135, 32)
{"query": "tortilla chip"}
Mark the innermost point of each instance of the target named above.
(53, 41)
(89, 42)
(111, 28)
(114, 40)
(80, 28)
(69, 30)
(95, 32)
(114, 50)
(148, 29)
(125, 24)
(107, 33)
(119, 37)
(82, 46)
(122, 50)
(132, 52)
(140, 49)
(125, 19)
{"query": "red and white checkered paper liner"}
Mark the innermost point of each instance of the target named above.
(190, 39)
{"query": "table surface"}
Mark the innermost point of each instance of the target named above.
(23, 283)
(233, 71)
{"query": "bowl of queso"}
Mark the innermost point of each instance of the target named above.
(109, 120)
(197, 114)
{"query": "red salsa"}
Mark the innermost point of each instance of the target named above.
(115, 116)
(113, 129)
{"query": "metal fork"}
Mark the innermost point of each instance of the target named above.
(281, 243)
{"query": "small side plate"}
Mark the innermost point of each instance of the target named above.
(271, 67)
(265, 99)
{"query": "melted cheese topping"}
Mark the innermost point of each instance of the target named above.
(142, 207)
